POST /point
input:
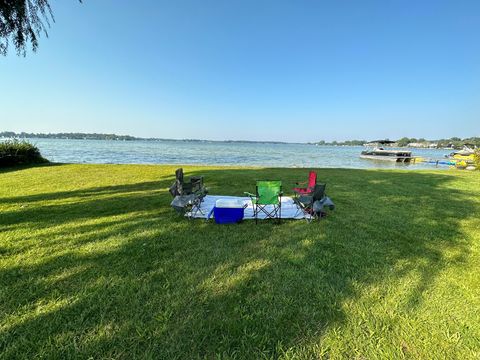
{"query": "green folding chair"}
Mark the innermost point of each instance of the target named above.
(267, 199)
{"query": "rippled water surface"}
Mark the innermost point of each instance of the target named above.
(216, 153)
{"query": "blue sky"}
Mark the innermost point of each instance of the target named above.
(256, 70)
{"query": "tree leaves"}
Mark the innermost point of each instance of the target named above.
(22, 22)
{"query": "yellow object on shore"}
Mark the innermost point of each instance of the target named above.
(462, 164)
(469, 157)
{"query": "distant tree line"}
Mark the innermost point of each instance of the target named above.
(454, 142)
(75, 136)
(95, 136)
(342, 143)
(405, 141)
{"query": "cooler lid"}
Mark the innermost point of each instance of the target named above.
(229, 203)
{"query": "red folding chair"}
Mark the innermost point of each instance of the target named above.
(312, 181)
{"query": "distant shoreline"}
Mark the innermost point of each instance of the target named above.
(452, 143)
(114, 137)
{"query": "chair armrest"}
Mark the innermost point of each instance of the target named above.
(250, 194)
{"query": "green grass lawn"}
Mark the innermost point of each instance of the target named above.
(94, 263)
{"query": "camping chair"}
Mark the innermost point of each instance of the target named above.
(312, 181)
(180, 187)
(267, 199)
(188, 196)
(306, 203)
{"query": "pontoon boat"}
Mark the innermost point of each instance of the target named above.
(376, 151)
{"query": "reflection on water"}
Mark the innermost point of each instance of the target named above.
(217, 153)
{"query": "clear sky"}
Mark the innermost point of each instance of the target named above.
(251, 69)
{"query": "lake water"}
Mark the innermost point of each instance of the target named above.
(217, 153)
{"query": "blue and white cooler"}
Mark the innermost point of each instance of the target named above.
(228, 211)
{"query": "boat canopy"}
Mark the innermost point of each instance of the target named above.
(382, 142)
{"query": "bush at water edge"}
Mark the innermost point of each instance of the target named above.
(16, 152)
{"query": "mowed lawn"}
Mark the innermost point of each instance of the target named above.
(95, 263)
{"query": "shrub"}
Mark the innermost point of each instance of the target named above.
(476, 158)
(15, 152)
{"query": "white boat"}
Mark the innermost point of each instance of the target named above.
(466, 154)
(468, 149)
(376, 151)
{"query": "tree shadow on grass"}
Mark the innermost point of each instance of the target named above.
(8, 169)
(121, 275)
